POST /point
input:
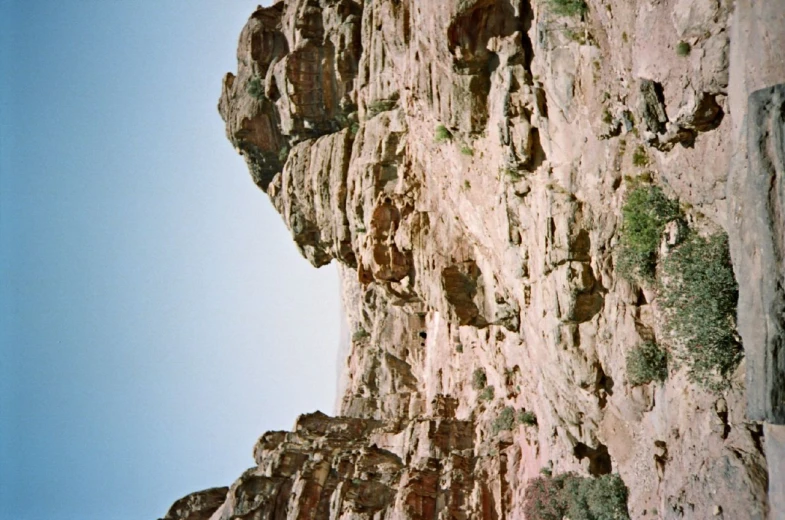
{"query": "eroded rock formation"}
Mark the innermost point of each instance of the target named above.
(465, 162)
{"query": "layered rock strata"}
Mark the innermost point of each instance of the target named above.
(464, 162)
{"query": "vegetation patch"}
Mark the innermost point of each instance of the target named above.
(467, 150)
(639, 157)
(568, 7)
(646, 363)
(505, 421)
(578, 498)
(360, 334)
(382, 105)
(487, 393)
(683, 49)
(479, 379)
(699, 294)
(255, 88)
(512, 174)
(527, 418)
(645, 213)
(442, 134)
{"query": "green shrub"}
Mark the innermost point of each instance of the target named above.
(699, 296)
(577, 498)
(479, 379)
(360, 334)
(466, 150)
(505, 421)
(646, 363)
(639, 157)
(644, 215)
(601, 498)
(255, 88)
(354, 128)
(512, 174)
(283, 153)
(527, 418)
(487, 393)
(568, 7)
(379, 106)
(442, 134)
(683, 49)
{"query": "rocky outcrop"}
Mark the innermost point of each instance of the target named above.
(465, 163)
(359, 468)
(197, 506)
(761, 243)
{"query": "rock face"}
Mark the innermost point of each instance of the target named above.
(198, 506)
(465, 162)
(357, 468)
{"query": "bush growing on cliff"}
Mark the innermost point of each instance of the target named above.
(646, 363)
(255, 88)
(527, 418)
(698, 296)
(639, 157)
(479, 379)
(487, 393)
(442, 134)
(568, 7)
(578, 498)
(644, 216)
(544, 498)
(382, 105)
(683, 49)
(505, 421)
(601, 498)
(360, 334)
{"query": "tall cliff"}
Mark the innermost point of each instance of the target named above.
(477, 169)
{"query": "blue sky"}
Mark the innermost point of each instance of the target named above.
(155, 316)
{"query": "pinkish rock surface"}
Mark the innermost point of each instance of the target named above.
(465, 162)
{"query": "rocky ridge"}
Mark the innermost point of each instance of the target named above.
(465, 162)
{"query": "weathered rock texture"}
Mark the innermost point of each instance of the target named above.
(197, 506)
(492, 246)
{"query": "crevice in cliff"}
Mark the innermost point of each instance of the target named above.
(599, 458)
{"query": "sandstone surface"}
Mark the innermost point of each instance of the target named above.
(465, 163)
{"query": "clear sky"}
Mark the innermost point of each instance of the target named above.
(155, 316)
